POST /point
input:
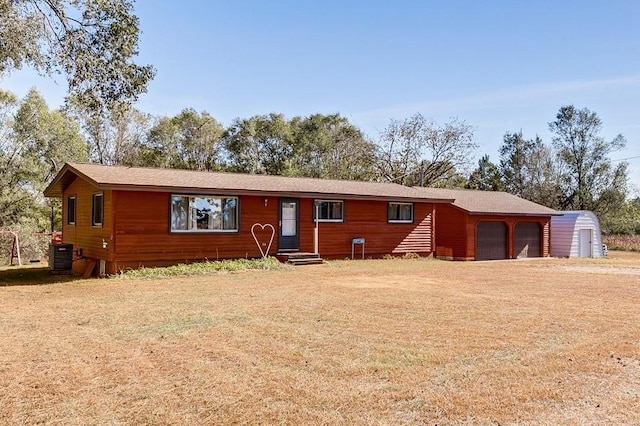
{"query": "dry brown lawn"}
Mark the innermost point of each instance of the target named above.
(377, 342)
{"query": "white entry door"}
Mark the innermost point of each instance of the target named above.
(585, 243)
(289, 215)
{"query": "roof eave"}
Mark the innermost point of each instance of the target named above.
(56, 187)
(258, 192)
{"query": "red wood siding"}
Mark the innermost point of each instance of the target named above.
(136, 230)
(83, 235)
(141, 235)
(456, 232)
(368, 220)
(452, 233)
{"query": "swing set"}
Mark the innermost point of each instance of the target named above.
(15, 246)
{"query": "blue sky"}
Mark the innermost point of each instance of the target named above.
(499, 65)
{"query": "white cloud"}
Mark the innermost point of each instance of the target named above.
(509, 97)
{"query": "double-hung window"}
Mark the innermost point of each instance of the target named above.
(71, 210)
(329, 210)
(97, 209)
(191, 213)
(400, 213)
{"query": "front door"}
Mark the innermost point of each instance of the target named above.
(289, 214)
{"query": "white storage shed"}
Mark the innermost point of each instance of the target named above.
(576, 234)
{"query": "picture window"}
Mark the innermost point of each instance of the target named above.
(204, 214)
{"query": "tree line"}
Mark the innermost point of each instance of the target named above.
(574, 171)
(36, 141)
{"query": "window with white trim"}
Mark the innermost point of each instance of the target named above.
(97, 209)
(400, 213)
(71, 210)
(329, 210)
(190, 213)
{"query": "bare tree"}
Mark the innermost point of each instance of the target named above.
(419, 151)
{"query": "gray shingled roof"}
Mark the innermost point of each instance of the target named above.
(489, 202)
(172, 180)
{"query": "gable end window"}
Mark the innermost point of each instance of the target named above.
(97, 209)
(400, 213)
(190, 213)
(71, 210)
(329, 210)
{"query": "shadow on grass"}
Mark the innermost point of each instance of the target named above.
(32, 276)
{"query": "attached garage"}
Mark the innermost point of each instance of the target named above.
(576, 234)
(491, 241)
(528, 240)
(486, 225)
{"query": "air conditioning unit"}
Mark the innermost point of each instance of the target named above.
(60, 258)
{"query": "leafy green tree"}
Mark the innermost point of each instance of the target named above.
(189, 140)
(325, 146)
(590, 180)
(515, 165)
(116, 136)
(92, 42)
(452, 179)
(12, 201)
(529, 169)
(418, 151)
(486, 177)
(329, 146)
(34, 143)
(260, 145)
(48, 138)
(545, 177)
(611, 203)
(626, 221)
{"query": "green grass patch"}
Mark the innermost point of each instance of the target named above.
(203, 268)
